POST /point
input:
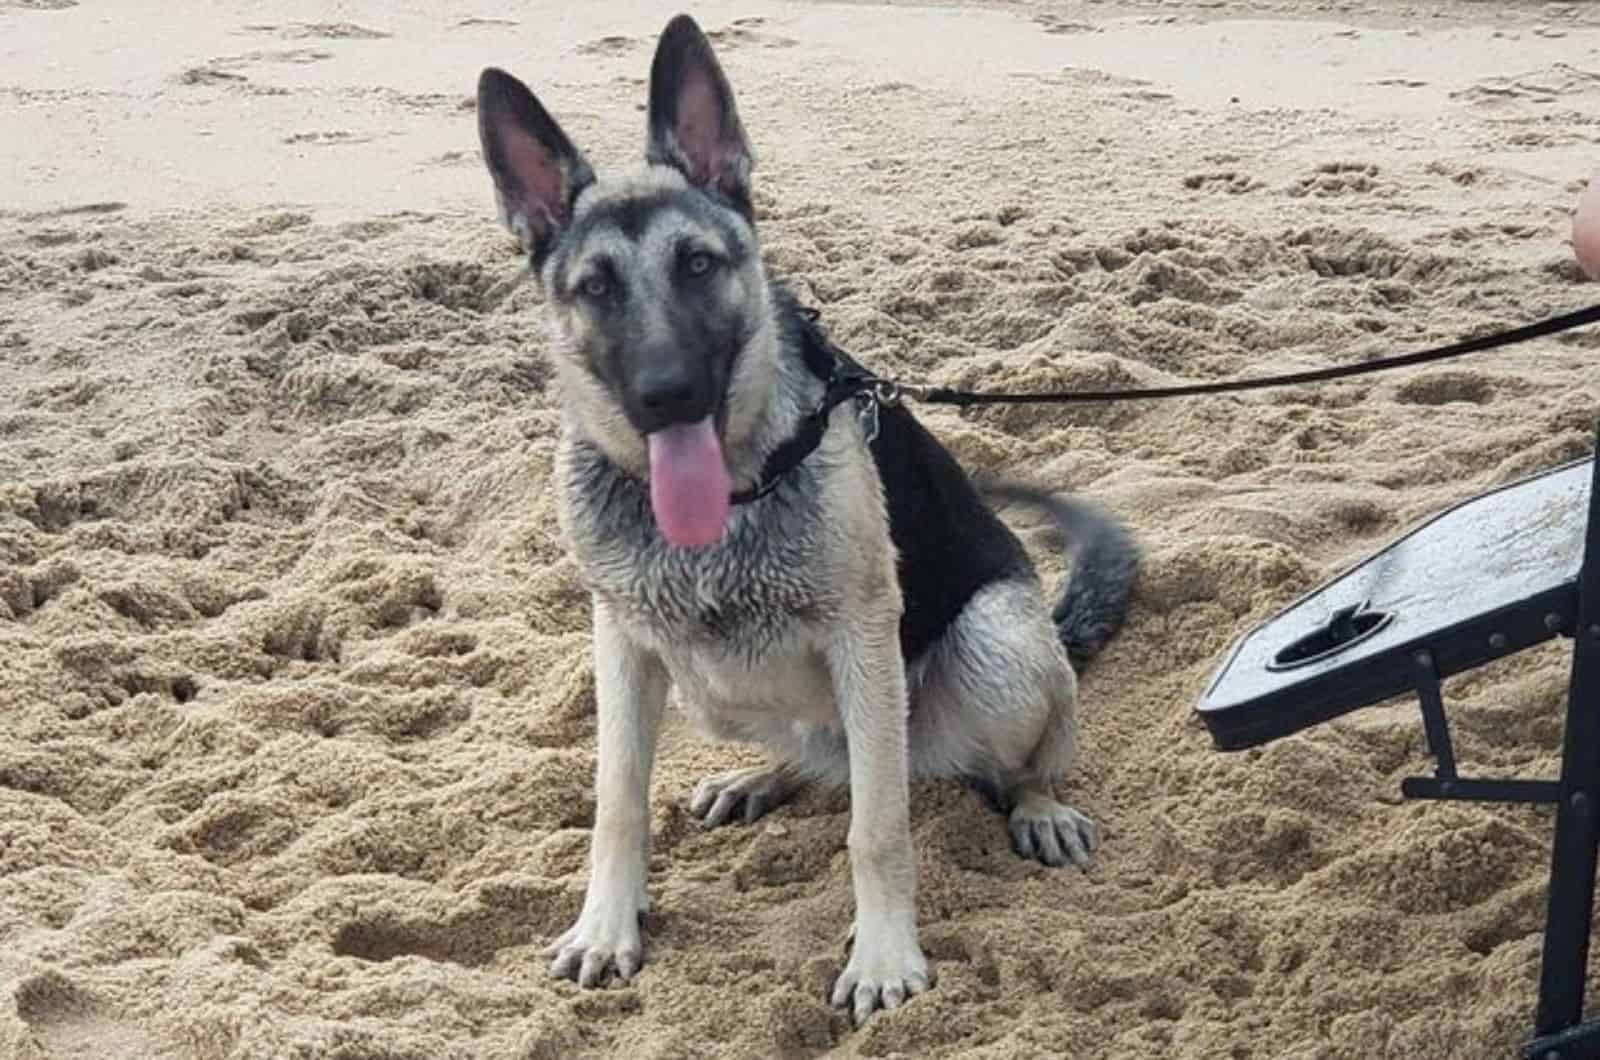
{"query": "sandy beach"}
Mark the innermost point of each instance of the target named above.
(296, 701)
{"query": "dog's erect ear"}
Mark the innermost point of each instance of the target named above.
(693, 123)
(537, 172)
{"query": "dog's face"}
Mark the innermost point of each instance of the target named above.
(654, 279)
(655, 287)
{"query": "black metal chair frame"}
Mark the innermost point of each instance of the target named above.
(1276, 705)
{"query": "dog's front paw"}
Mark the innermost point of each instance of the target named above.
(606, 938)
(882, 973)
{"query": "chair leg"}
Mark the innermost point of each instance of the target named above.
(1572, 862)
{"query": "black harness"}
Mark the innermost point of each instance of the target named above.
(845, 380)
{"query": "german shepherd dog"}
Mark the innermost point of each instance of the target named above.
(867, 618)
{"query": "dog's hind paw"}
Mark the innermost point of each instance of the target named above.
(1042, 829)
(745, 794)
(603, 941)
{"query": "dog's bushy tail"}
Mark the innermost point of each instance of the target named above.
(1105, 565)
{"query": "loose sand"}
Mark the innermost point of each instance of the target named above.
(296, 728)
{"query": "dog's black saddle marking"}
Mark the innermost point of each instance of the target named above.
(948, 541)
(950, 544)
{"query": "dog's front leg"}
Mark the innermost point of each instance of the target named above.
(630, 691)
(886, 962)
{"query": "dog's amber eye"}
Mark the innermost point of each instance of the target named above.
(596, 287)
(699, 263)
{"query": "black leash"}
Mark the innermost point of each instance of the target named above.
(1565, 322)
(847, 380)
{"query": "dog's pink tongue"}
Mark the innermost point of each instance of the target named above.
(689, 484)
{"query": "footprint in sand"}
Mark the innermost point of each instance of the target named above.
(454, 158)
(69, 1025)
(747, 31)
(1445, 388)
(1538, 135)
(1336, 178)
(1228, 181)
(1090, 78)
(203, 75)
(223, 70)
(281, 55)
(327, 139)
(378, 940)
(1056, 25)
(1466, 176)
(608, 46)
(319, 31)
(1559, 81)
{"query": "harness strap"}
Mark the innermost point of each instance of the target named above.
(842, 385)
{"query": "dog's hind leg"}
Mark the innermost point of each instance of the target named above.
(630, 692)
(1093, 603)
(1042, 827)
(744, 794)
(997, 704)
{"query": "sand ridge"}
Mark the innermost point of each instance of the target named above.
(297, 736)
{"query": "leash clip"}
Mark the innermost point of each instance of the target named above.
(873, 397)
(878, 394)
(867, 405)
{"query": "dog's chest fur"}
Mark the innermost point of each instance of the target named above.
(742, 597)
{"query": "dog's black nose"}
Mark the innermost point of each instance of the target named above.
(668, 395)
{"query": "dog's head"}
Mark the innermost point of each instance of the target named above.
(653, 278)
